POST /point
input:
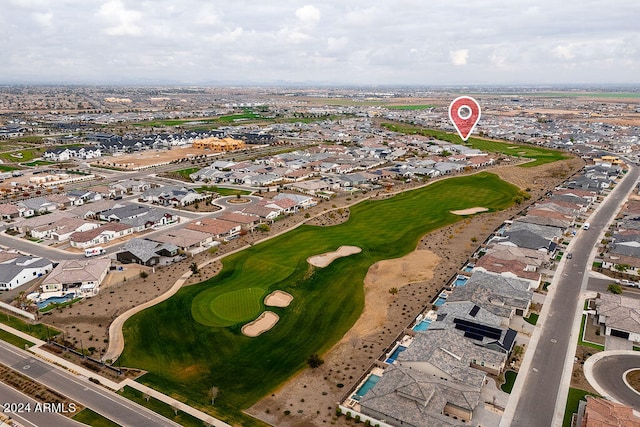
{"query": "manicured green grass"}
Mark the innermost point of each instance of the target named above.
(575, 396)
(247, 115)
(39, 163)
(540, 154)
(410, 107)
(186, 172)
(533, 318)
(7, 168)
(161, 408)
(509, 381)
(27, 155)
(38, 330)
(223, 191)
(15, 340)
(93, 419)
(187, 357)
(215, 307)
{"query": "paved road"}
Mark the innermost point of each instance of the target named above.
(609, 372)
(24, 410)
(537, 400)
(102, 401)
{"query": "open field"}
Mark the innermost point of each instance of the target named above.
(540, 154)
(187, 357)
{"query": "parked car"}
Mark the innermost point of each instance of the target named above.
(569, 255)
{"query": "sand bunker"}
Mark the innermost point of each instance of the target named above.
(325, 259)
(417, 266)
(469, 211)
(262, 324)
(278, 299)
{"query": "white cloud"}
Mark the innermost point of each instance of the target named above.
(44, 18)
(459, 57)
(359, 41)
(563, 52)
(123, 21)
(308, 16)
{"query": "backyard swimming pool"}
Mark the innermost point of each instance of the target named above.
(364, 388)
(399, 349)
(422, 326)
(55, 300)
(461, 280)
(442, 298)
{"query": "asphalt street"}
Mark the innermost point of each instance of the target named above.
(609, 373)
(31, 413)
(102, 401)
(537, 401)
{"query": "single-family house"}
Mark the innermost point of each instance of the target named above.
(145, 252)
(188, 241)
(218, 228)
(100, 235)
(16, 269)
(81, 276)
(619, 316)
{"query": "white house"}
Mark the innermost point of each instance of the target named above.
(18, 270)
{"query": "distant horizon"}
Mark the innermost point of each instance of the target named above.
(328, 85)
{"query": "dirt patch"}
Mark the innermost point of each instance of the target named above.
(263, 323)
(278, 299)
(469, 211)
(633, 378)
(327, 258)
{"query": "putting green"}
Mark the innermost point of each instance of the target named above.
(228, 308)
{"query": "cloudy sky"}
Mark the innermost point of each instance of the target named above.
(399, 42)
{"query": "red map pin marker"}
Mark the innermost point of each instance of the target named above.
(464, 112)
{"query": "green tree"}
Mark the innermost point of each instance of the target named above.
(614, 289)
(194, 268)
(314, 361)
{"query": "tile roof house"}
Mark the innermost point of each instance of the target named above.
(145, 252)
(218, 228)
(480, 326)
(508, 268)
(9, 212)
(444, 353)
(63, 229)
(409, 397)
(599, 412)
(171, 195)
(619, 315)
(101, 235)
(247, 221)
(501, 296)
(16, 269)
(82, 276)
(189, 241)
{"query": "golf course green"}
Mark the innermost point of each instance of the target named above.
(192, 341)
